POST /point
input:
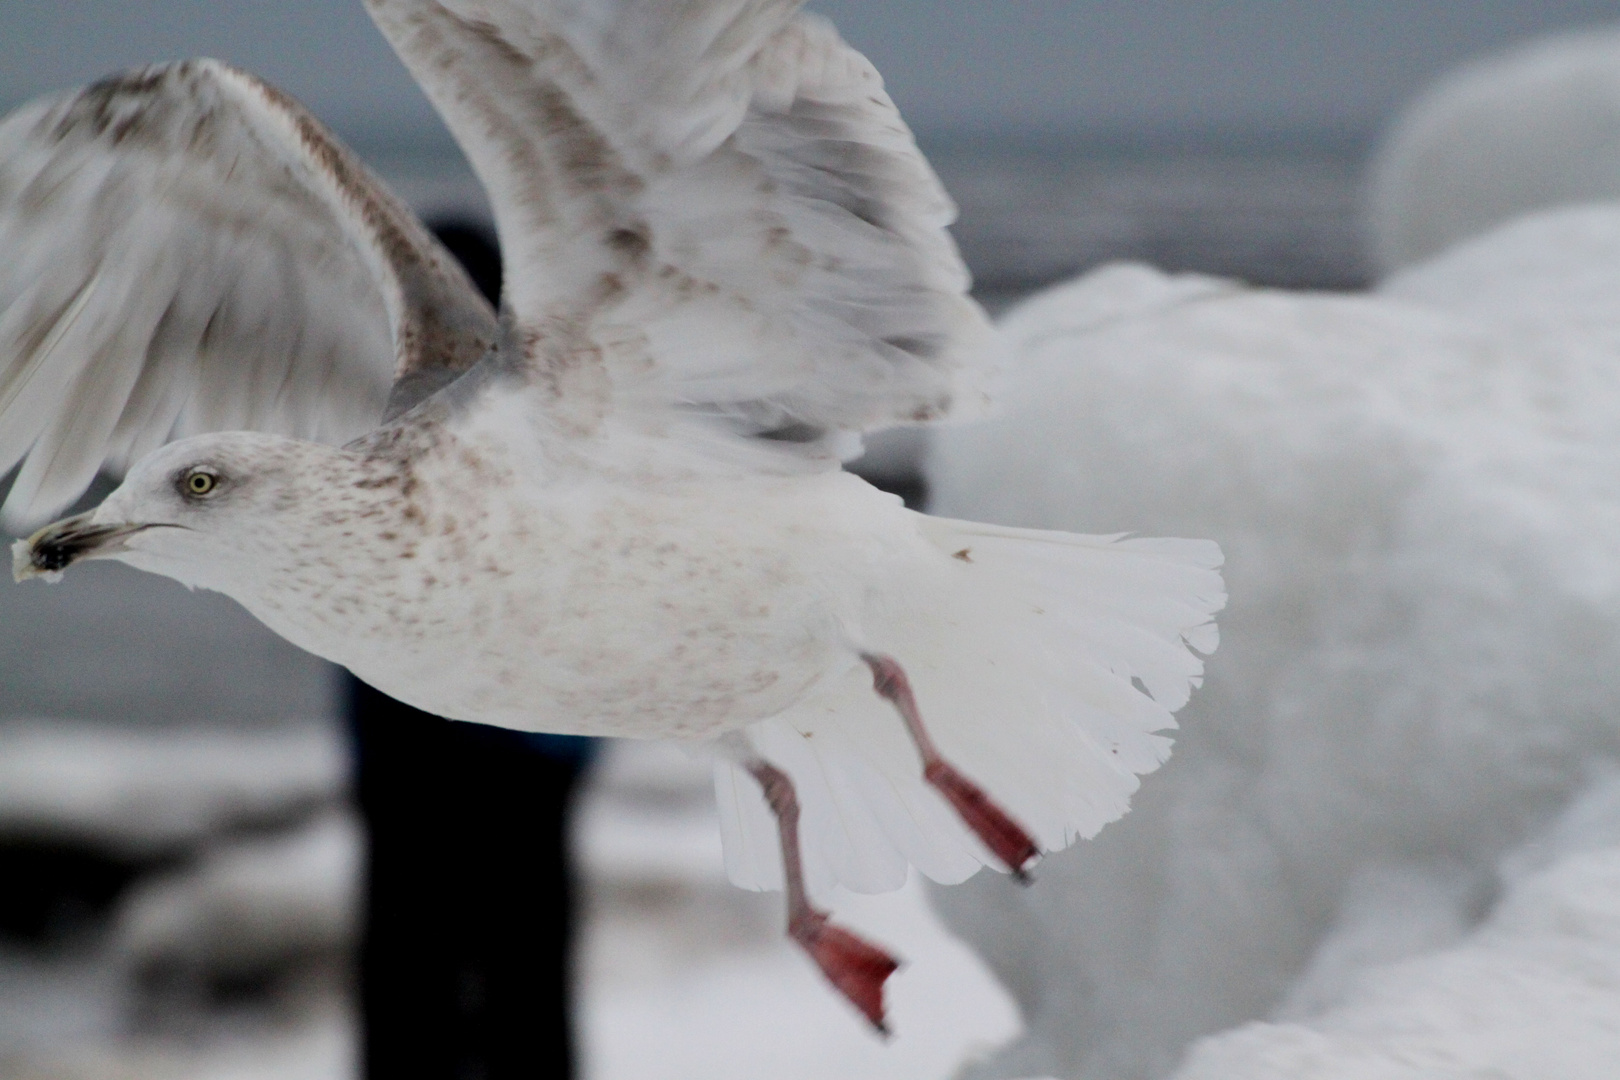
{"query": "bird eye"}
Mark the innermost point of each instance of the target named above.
(199, 482)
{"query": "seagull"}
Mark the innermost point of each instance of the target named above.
(615, 506)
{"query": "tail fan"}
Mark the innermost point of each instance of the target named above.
(1046, 666)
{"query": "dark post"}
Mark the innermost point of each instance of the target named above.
(465, 960)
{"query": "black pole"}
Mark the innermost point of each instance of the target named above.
(465, 967)
(465, 959)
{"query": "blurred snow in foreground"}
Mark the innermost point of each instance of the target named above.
(206, 904)
(227, 953)
(687, 976)
(1533, 992)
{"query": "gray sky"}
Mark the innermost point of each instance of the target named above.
(1112, 66)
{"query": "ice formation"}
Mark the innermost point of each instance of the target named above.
(1551, 274)
(1418, 492)
(140, 792)
(1533, 992)
(1533, 127)
(247, 909)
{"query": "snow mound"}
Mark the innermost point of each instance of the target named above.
(1420, 664)
(256, 906)
(1534, 127)
(140, 791)
(1533, 993)
(1550, 274)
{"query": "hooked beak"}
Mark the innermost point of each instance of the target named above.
(61, 544)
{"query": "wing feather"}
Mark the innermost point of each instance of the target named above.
(188, 250)
(714, 202)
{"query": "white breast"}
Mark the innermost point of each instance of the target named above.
(680, 608)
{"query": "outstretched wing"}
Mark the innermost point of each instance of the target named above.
(186, 249)
(704, 204)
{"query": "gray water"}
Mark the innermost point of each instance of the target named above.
(1271, 211)
(1279, 214)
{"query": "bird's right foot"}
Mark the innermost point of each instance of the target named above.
(1010, 841)
(989, 822)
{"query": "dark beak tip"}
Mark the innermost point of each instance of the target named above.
(51, 558)
(26, 563)
(56, 547)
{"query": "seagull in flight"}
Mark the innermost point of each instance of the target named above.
(615, 506)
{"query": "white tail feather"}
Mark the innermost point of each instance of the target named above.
(1022, 651)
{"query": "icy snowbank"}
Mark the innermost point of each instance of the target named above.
(1534, 992)
(1553, 273)
(138, 790)
(684, 975)
(1531, 128)
(222, 949)
(259, 905)
(1419, 668)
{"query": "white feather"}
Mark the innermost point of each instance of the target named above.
(717, 201)
(1022, 656)
(186, 251)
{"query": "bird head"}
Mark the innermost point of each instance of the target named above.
(190, 510)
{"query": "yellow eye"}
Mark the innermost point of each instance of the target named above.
(200, 482)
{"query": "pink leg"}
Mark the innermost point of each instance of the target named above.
(855, 967)
(1000, 833)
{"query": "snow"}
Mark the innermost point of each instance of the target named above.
(1535, 126)
(1533, 992)
(1552, 273)
(252, 880)
(245, 859)
(685, 975)
(143, 791)
(1419, 497)
(767, 1013)
(255, 904)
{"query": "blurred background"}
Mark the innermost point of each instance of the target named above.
(178, 852)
